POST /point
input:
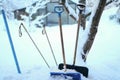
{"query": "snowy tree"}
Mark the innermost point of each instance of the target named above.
(28, 8)
(35, 18)
(75, 13)
(91, 29)
(109, 4)
(34, 10)
(114, 3)
(95, 18)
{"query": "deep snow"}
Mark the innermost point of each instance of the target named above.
(103, 59)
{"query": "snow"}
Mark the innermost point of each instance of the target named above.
(13, 4)
(102, 61)
(107, 46)
(75, 1)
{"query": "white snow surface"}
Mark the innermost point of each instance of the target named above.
(103, 58)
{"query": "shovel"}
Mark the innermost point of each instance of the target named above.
(80, 69)
(74, 75)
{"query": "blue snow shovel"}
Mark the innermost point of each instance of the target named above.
(66, 74)
(11, 42)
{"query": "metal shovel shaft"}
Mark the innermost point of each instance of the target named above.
(50, 46)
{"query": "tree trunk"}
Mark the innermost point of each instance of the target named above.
(93, 30)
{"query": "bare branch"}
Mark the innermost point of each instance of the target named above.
(67, 8)
(105, 5)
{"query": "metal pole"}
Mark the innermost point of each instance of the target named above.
(11, 42)
(33, 43)
(45, 32)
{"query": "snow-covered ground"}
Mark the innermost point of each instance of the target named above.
(103, 59)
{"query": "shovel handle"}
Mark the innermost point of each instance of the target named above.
(62, 43)
(59, 9)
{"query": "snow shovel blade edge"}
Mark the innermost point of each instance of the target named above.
(73, 75)
(80, 69)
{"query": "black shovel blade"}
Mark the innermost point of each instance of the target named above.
(80, 69)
